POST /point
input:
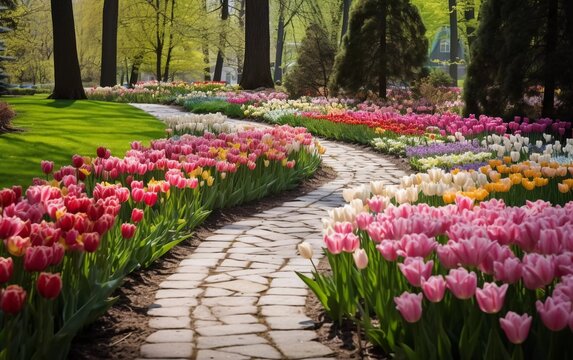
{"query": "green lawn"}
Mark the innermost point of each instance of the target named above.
(57, 129)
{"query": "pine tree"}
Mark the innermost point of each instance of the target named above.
(521, 44)
(312, 71)
(385, 43)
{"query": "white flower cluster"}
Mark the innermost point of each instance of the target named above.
(200, 123)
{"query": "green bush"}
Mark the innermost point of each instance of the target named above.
(211, 107)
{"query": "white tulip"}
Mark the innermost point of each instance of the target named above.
(515, 155)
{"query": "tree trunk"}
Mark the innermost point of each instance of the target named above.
(109, 43)
(67, 75)
(159, 41)
(205, 48)
(170, 44)
(134, 77)
(257, 70)
(280, 44)
(382, 61)
(552, 33)
(222, 41)
(454, 51)
(345, 17)
(242, 30)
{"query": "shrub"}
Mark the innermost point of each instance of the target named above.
(6, 116)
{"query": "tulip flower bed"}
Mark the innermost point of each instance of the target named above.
(69, 240)
(448, 282)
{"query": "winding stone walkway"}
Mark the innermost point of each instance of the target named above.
(237, 296)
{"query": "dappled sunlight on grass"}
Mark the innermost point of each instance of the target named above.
(57, 129)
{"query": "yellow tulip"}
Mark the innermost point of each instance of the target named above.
(528, 185)
(568, 182)
(449, 197)
(516, 178)
(494, 162)
(205, 174)
(210, 180)
(540, 181)
(507, 159)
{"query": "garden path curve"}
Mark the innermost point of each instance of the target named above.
(237, 296)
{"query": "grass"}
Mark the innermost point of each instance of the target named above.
(57, 129)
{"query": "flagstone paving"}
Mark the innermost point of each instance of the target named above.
(238, 296)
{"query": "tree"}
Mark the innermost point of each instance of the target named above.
(454, 41)
(345, 16)
(222, 41)
(67, 75)
(109, 43)
(521, 45)
(4, 5)
(385, 42)
(257, 70)
(311, 74)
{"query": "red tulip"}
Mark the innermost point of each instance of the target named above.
(137, 194)
(136, 215)
(127, 230)
(18, 191)
(103, 152)
(150, 198)
(77, 161)
(7, 197)
(47, 166)
(38, 258)
(91, 241)
(49, 285)
(12, 299)
(6, 269)
(66, 222)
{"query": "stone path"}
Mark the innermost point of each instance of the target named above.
(237, 296)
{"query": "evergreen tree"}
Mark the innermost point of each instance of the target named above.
(521, 44)
(312, 71)
(385, 42)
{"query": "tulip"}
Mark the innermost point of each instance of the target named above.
(150, 198)
(38, 258)
(360, 259)
(363, 220)
(388, 249)
(49, 285)
(516, 327)
(334, 243)
(77, 161)
(136, 215)
(461, 283)
(508, 271)
(414, 245)
(91, 241)
(6, 269)
(491, 297)
(58, 253)
(415, 270)
(47, 166)
(17, 245)
(127, 230)
(305, 250)
(350, 243)
(410, 306)
(12, 299)
(554, 313)
(434, 288)
(538, 271)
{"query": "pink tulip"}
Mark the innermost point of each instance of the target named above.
(516, 327)
(461, 283)
(360, 259)
(377, 204)
(414, 245)
(343, 227)
(491, 297)
(136, 215)
(415, 270)
(554, 313)
(334, 243)
(508, 271)
(549, 242)
(350, 243)
(363, 220)
(410, 306)
(538, 271)
(388, 249)
(464, 203)
(447, 256)
(434, 288)
(472, 251)
(127, 230)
